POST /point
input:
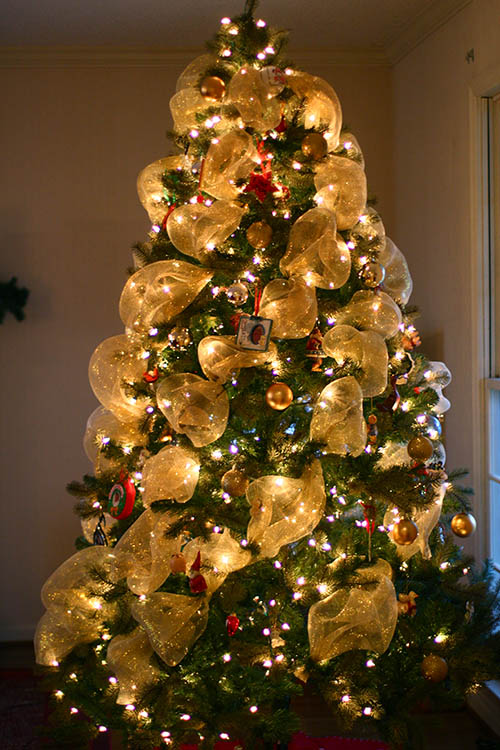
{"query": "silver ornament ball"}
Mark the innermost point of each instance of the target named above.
(237, 293)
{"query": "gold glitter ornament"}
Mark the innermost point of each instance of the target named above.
(434, 668)
(213, 88)
(259, 234)
(463, 524)
(404, 532)
(314, 145)
(180, 337)
(420, 448)
(234, 482)
(279, 396)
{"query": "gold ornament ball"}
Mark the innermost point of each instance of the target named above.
(234, 482)
(213, 88)
(314, 145)
(463, 524)
(404, 532)
(420, 448)
(279, 396)
(259, 234)
(178, 563)
(372, 274)
(434, 668)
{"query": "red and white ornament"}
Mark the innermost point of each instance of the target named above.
(121, 498)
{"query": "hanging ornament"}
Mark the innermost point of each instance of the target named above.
(420, 448)
(411, 339)
(282, 126)
(151, 376)
(232, 624)
(279, 396)
(372, 274)
(314, 349)
(259, 234)
(234, 482)
(430, 424)
(273, 78)
(197, 583)
(391, 403)
(100, 538)
(212, 88)
(121, 498)
(372, 429)
(237, 294)
(434, 668)
(180, 337)
(254, 332)
(404, 532)
(178, 563)
(463, 524)
(407, 604)
(314, 145)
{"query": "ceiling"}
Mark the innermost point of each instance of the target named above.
(327, 24)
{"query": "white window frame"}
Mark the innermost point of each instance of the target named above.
(485, 250)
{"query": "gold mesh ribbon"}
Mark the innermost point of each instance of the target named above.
(283, 510)
(360, 616)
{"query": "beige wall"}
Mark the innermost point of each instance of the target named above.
(73, 140)
(432, 158)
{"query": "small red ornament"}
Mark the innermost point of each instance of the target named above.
(232, 624)
(282, 126)
(121, 498)
(151, 376)
(197, 583)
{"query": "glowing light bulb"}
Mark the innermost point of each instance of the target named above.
(73, 710)
(253, 709)
(226, 657)
(346, 698)
(370, 663)
(185, 717)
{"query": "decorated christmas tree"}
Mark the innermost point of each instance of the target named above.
(269, 507)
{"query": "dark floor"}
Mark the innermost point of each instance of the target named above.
(23, 707)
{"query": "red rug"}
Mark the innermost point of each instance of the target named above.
(302, 742)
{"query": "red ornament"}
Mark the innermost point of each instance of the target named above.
(197, 583)
(151, 376)
(261, 185)
(232, 623)
(121, 498)
(282, 125)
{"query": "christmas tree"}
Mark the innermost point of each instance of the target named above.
(269, 506)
